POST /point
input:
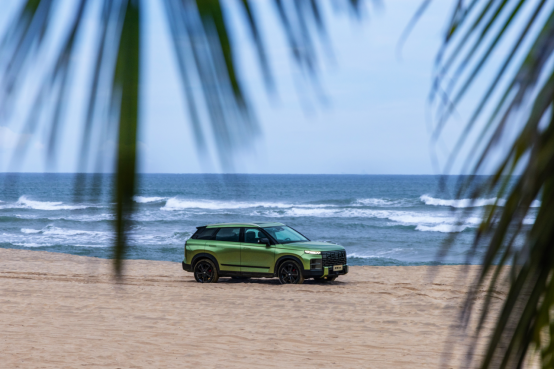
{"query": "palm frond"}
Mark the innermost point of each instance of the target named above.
(525, 173)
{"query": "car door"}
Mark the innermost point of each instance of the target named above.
(256, 257)
(226, 247)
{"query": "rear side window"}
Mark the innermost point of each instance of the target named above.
(228, 234)
(205, 234)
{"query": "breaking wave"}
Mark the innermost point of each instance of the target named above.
(30, 231)
(24, 202)
(378, 202)
(459, 203)
(466, 203)
(442, 228)
(141, 199)
(52, 230)
(31, 245)
(177, 204)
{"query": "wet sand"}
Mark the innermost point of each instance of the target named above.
(65, 311)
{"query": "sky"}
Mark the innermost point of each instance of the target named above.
(365, 113)
(370, 121)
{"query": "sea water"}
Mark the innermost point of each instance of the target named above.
(380, 220)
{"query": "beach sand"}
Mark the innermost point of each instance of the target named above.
(65, 311)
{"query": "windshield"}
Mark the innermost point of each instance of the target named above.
(284, 234)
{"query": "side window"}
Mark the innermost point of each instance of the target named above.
(253, 235)
(205, 234)
(228, 234)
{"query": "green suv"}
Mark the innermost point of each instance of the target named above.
(269, 250)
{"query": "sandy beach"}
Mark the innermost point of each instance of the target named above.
(59, 310)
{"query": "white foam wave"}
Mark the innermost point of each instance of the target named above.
(164, 240)
(380, 253)
(30, 231)
(377, 202)
(356, 255)
(24, 202)
(459, 203)
(444, 228)
(319, 212)
(141, 199)
(178, 204)
(465, 203)
(93, 245)
(408, 218)
(58, 231)
(90, 218)
(51, 230)
(31, 245)
(81, 218)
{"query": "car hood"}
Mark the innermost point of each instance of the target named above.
(311, 245)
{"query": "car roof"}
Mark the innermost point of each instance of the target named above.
(249, 224)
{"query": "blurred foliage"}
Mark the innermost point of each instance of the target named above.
(520, 99)
(202, 43)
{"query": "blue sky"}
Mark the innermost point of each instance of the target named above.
(367, 113)
(372, 119)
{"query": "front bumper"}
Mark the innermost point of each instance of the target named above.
(187, 267)
(326, 271)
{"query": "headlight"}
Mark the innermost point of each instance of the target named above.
(312, 252)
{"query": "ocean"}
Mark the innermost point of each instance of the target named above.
(381, 220)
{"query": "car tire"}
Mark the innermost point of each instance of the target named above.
(205, 271)
(290, 273)
(326, 279)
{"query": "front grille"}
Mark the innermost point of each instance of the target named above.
(333, 258)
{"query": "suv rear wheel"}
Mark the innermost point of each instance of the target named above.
(205, 271)
(290, 273)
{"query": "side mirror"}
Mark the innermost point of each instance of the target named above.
(263, 241)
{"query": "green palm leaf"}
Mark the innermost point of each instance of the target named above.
(526, 106)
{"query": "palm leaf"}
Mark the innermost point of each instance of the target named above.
(525, 173)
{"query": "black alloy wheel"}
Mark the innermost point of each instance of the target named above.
(290, 273)
(205, 272)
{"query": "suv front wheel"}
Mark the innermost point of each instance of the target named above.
(205, 271)
(290, 273)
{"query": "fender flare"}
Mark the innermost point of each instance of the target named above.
(205, 255)
(288, 257)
